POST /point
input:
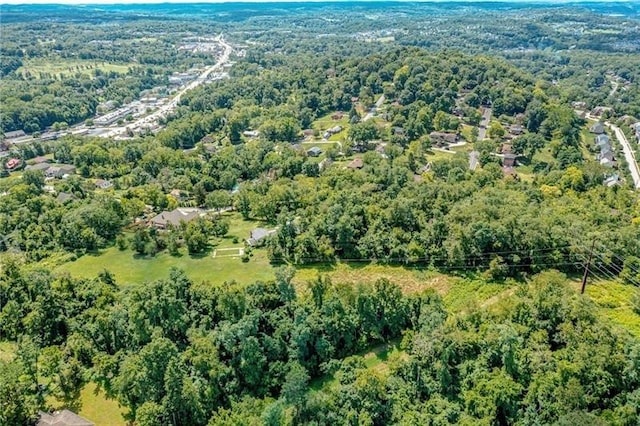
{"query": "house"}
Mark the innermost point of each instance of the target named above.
(337, 116)
(103, 184)
(43, 167)
(49, 136)
(442, 137)
(599, 111)
(63, 197)
(175, 217)
(307, 133)
(62, 418)
(251, 133)
(60, 171)
(506, 148)
(13, 163)
(259, 235)
(597, 128)
(602, 140)
(606, 162)
(613, 180)
(41, 159)
(516, 129)
(509, 160)
(332, 131)
(356, 163)
(627, 119)
(607, 153)
(314, 151)
(15, 134)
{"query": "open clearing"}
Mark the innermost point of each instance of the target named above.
(101, 411)
(65, 67)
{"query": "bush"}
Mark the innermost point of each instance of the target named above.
(121, 242)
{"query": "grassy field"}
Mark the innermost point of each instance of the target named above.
(614, 302)
(64, 67)
(128, 267)
(410, 280)
(98, 409)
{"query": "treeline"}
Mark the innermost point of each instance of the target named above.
(174, 352)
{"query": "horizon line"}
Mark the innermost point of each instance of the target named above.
(157, 2)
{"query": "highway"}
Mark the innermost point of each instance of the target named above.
(153, 118)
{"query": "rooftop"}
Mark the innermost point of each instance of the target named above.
(62, 418)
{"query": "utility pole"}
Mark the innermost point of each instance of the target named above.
(586, 267)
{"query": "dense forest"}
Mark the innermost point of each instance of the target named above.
(426, 139)
(175, 352)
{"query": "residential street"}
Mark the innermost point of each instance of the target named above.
(374, 110)
(484, 123)
(628, 154)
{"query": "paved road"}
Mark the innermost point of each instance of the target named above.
(484, 124)
(614, 88)
(164, 110)
(474, 158)
(628, 154)
(373, 111)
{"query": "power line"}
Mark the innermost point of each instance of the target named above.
(586, 268)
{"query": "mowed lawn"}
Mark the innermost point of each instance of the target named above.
(214, 266)
(129, 268)
(98, 409)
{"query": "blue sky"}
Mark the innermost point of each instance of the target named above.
(269, 1)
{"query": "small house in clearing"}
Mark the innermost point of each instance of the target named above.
(258, 236)
(314, 151)
(174, 217)
(103, 184)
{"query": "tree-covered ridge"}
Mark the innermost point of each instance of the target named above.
(448, 217)
(176, 352)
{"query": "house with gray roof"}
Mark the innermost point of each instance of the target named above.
(62, 418)
(259, 235)
(597, 128)
(314, 151)
(43, 167)
(15, 134)
(173, 218)
(602, 140)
